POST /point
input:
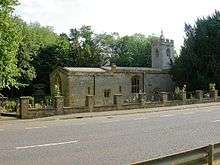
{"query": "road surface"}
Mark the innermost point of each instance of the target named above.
(112, 140)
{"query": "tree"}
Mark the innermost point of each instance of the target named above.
(51, 57)
(35, 38)
(10, 36)
(199, 60)
(86, 49)
(132, 51)
(25, 54)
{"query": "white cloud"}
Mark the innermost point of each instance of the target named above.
(123, 16)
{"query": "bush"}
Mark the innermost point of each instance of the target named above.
(31, 101)
(212, 86)
(9, 106)
(177, 93)
(48, 100)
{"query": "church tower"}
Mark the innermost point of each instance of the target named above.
(162, 53)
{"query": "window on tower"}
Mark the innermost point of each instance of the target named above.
(157, 53)
(168, 52)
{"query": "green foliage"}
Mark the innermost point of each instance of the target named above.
(31, 101)
(56, 91)
(131, 51)
(10, 36)
(50, 57)
(199, 60)
(9, 106)
(36, 38)
(7, 6)
(212, 86)
(30, 52)
(48, 100)
(177, 93)
(85, 48)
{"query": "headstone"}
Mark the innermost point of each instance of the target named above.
(183, 94)
(164, 97)
(199, 94)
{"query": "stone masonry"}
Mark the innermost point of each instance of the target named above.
(104, 83)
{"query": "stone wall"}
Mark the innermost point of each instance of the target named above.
(157, 83)
(26, 112)
(75, 86)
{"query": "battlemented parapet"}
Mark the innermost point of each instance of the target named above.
(162, 53)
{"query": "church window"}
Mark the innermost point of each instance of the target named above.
(89, 90)
(120, 90)
(107, 92)
(168, 52)
(157, 53)
(135, 84)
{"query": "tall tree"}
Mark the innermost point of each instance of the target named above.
(51, 57)
(10, 36)
(132, 51)
(86, 48)
(199, 60)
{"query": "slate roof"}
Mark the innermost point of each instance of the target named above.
(108, 69)
(84, 69)
(133, 69)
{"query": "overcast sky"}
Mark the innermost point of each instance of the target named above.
(123, 16)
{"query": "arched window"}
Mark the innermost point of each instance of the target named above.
(157, 53)
(135, 84)
(168, 52)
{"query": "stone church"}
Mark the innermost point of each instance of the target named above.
(75, 83)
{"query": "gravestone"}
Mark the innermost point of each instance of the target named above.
(39, 92)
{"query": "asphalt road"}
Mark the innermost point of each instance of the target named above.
(107, 140)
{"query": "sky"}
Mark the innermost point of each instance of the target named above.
(124, 16)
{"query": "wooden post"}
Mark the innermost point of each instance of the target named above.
(210, 154)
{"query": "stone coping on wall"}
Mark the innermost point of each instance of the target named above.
(45, 112)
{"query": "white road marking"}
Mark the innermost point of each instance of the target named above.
(78, 124)
(110, 121)
(215, 121)
(168, 115)
(28, 128)
(189, 113)
(141, 118)
(1, 129)
(46, 145)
